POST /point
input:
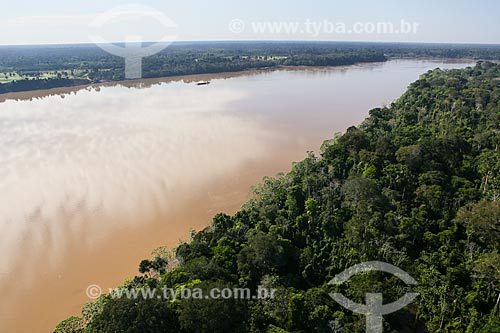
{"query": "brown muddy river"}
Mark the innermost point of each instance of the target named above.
(93, 179)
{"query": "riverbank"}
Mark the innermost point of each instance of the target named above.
(81, 84)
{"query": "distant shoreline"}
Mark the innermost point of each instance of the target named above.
(190, 78)
(177, 77)
(28, 69)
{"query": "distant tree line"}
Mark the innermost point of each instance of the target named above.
(40, 84)
(90, 64)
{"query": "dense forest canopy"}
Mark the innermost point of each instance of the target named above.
(416, 185)
(24, 68)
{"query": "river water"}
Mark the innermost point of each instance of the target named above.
(92, 179)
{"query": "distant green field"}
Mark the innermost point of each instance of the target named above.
(6, 77)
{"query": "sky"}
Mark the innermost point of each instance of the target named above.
(63, 21)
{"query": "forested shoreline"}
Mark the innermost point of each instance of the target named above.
(416, 185)
(26, 68)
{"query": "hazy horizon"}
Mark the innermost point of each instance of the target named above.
(214, 41)
(57, 22)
